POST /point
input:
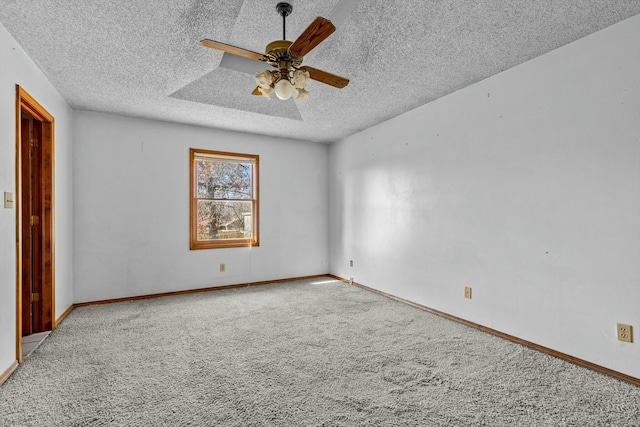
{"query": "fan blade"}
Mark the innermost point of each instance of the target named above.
(256, 91)
(241, 64)
(320, 29)
(233, 49)
(342, 10)
(327, 78)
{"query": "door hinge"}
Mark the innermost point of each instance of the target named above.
(35, 297)
(34, 143)
(35, 220)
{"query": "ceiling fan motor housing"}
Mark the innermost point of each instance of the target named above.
(278, 51)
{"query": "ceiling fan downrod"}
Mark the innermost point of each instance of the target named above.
(284, 9)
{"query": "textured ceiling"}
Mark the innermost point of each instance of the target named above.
(143, 58)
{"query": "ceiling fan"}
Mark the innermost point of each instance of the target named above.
(290, 77)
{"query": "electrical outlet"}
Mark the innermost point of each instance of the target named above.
(351, 263)
(223, 268)
(467, 292)
(625, 332)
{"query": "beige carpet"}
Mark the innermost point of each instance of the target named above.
(308, 353)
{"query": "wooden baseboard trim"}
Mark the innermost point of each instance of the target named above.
(65, 314)
(538, 347)
(194, 291)
(6, 374)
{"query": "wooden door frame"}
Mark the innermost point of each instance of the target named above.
(26, 103)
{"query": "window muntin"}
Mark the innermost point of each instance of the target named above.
(224, 199)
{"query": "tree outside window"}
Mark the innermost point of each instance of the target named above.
(224, 199)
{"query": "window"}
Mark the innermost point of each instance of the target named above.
(224, 199)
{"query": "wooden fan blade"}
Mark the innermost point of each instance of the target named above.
(320, 29)
(256, 91)
(327, 78)
(233, 49)
(242, 64)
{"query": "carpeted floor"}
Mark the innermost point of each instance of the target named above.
(308, 353)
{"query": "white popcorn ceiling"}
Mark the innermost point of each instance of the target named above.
(143, 58)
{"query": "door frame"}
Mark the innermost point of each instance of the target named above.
(26, 103)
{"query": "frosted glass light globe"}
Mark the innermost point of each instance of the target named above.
(301, 79)
(284, 89)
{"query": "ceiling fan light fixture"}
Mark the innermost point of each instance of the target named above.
(264, 79)
(284, 89)
(301, 79)
(301, 94)
(265, 91)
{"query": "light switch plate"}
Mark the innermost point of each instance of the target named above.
(8, 200)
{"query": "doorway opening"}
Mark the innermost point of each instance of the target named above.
(35, 296)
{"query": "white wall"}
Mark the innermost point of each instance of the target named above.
(17, 68)
(132, 209)
(525, 186)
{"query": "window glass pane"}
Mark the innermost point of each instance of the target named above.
(224, 199)
(218, 180)
(224, 220)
